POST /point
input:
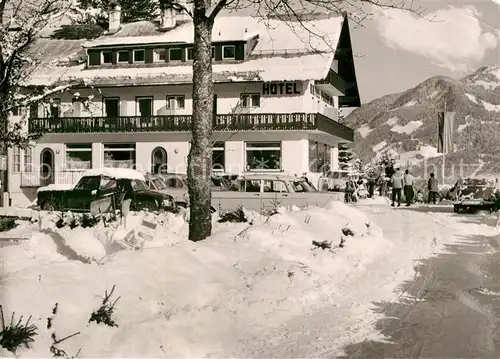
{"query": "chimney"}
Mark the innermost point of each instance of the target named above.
(167, 18)
(115, 14)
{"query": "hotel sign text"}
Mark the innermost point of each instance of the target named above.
(281, 88)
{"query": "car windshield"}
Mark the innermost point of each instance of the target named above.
(159, 184)
(138, 185)
(302, 186)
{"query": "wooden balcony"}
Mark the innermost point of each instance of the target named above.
(180, 123)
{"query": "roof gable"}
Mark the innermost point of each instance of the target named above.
(274, 35)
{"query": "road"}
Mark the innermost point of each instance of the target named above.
(436, 295)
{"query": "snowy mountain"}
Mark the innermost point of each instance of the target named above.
(407, 122)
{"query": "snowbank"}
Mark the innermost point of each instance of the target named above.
(245, 278)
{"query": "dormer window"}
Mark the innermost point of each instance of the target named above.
(228, 52)
(107, 57)
(175, 54)
(123, 56)
(139, 55)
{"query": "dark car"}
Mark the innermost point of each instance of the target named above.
(93, 188)
(475, 194)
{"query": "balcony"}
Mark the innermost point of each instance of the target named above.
(176, 123)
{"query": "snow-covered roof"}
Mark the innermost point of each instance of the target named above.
(274, 34)
(285, 51)
(117, 173)
(276, 68)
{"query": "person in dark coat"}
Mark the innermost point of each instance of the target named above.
(409, 182)
(397, 183)
(432, 186)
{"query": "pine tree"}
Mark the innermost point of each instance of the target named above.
(132, 10)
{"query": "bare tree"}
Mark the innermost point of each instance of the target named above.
(204, 13)
(21, 24)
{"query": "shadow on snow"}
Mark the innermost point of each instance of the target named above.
(449, 310)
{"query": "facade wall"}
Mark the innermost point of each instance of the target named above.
(293, 158)
(228, 99)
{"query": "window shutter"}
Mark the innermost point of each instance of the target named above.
(149, 56)
(240, 51)
(94, 58)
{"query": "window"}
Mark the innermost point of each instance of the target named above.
(190, 53)
(319, 157)
(123, 56)
(88, 183)
(175, 54)
(78, 156)
(274, 186)
(52, 108)
(250, 100)
(28, 159)
(213, 52)
(111, 107)
(174, 182)
(159, 55)
(252, 186)
(144, 106)
(16, 159)
(107, 183)
(107, 57)
(228, 52)
(119, 155)
(218, 156)
(159, 160)
(139, 55)
(176, 102)
(263, 155)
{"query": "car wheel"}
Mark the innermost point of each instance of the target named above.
(49, 206)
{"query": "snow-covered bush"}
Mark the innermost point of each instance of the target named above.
(235, 216)
(7, 223)
(15, 334)
(84, 220)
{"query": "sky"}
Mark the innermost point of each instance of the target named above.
(396, 50)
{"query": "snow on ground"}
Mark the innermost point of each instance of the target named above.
(433, 94)
(354, 314)
(245, 278)
(379, 146)
(408, 128)
(410, 103)
(491, 107)
(364, 131)
(392, 121)
(472, 98)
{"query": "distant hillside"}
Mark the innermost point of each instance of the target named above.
(407, 122)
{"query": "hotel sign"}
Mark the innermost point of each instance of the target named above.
(281, 88)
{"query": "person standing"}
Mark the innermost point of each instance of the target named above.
(432, 186)
(397, 182)
(409, 181)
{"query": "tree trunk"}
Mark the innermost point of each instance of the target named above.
(200, 154)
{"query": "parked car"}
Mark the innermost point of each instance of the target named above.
(99, 184)
(336, 180)
(176, 185)
(266, 191)
(475, 194)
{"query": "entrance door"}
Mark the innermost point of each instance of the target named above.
(46, 167)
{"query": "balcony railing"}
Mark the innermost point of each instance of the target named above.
(179, 123)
